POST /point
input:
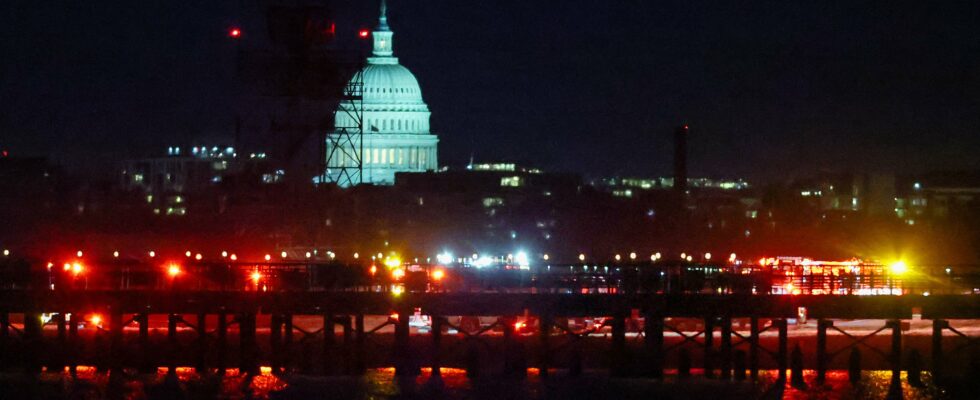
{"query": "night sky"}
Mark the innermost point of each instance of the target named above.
(770, 89)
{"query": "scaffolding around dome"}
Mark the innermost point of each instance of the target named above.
(392, 115)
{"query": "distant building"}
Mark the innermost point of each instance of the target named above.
(938, 196)
(395, 119)
(629, 187)
(167, 182)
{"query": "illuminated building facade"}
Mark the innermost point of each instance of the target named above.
(396, 119)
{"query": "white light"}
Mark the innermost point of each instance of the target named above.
(658, 255)
(224, 254)
(115, 254)
(283, 254)
(152, 254)
(308, 254)
(707, 256)
(683, 256)
(581, 257)
(483, 262)
(521, 259)
(689, 258)
(78, 253)
(632, 255)
(6, 252)
(545, 257)
(445, 258)
(618, 257)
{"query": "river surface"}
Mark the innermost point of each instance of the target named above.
(382, 384)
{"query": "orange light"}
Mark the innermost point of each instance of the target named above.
(256, 277)
(173, 270)
(438, 274)
(95, 319)
(398, 273)
(393, 316)
(77, 268)
(363, 33)
(67, 266)
(519, 325)
(373, 270)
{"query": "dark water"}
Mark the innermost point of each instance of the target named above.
(382, 384)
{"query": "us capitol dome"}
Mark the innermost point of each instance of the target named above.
(396, 119)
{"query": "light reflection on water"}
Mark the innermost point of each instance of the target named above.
(382, 384)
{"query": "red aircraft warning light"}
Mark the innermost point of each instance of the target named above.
(235, 33)
(363, 33)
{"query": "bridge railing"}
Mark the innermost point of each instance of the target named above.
(337, 276)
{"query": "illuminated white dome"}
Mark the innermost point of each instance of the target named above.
(396, 119)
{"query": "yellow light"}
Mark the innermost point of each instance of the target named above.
(397, 290)
(283, 254)
(77, 268)
(256, 277)
(96, 319)
(6, 252)
(392, 262)
(373, 270)
(438, 274)
(173, 270)
(899, 267)
(618, 257)
(308, 254)
(632, 255)
(67, 266)
(546, 257)
(398, 273)
(707, 256)
(356, 256)
(380, 256)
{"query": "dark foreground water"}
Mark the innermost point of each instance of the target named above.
(382, 384)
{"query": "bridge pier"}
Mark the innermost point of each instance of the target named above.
(938, 325)
(32, 342)
(58, 360)
(359, 338)
(200, 365)
(782, 352)
(248, 352)
(726, 347)
(437, 345)
(822, 325)
(221, 344)
(173, 346)
(116, 351)
(327, 353)
(619, 357)
(709, 351)
(287, 342)
(4, 338)
(544, 350)
(653, 339)
(275, 343)
(404, 361)
(896, 349)
(147, 365)
(74, 345)
(348, 352)
(754, 348)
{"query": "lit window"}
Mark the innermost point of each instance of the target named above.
(511, 181)
(391, 156)
(384, 156)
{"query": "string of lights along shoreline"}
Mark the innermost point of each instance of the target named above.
(396, 119)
